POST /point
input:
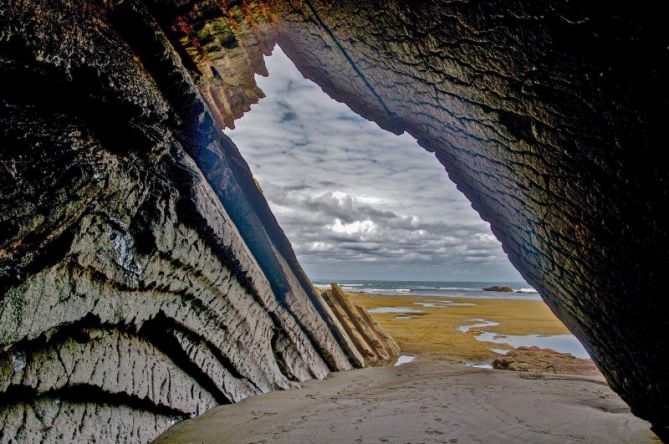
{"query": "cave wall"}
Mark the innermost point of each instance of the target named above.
(136, 251)
(547, 115)
(143, 278)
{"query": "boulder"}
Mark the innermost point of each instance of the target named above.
(544, 360)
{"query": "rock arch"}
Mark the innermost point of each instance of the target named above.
(132, 231)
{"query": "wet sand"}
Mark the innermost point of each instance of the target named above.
(434, 399)
(434, 334)
(424, 402)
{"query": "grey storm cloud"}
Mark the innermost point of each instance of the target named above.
(358, 202)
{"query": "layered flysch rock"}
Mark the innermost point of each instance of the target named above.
(550, 117)
(136, 250)
(367, 336)
(143, 278)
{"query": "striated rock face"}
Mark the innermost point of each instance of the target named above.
(544, 360)
(143, 278)
(367, 336)
(131, 231)
(549, 116)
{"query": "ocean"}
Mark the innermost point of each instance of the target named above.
(434, 288)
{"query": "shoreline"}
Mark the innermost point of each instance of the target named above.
(431, 326)
(435, 289)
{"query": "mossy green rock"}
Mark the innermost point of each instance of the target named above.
(499, 288)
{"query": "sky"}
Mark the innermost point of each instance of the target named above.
(358, 202)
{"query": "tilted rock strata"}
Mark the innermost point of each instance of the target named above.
(549, 116)
(368, 337)
(143, 280)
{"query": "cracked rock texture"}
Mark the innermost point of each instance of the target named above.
(143, 277)
(369, 338)
(548, 115)
(544, 360)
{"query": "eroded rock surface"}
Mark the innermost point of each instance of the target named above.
(127, 218)
(550, 117)
(143, 277)
(367, 336)
(544, 360)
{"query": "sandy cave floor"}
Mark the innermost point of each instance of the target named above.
(425, 402)
(435, 399)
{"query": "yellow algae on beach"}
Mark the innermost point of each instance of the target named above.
(430, 328)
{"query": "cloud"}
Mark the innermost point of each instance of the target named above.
(359, 226)
(355, 200)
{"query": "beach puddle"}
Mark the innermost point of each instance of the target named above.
(394, 310)
(480, 365)
(404, 359)
(559, 343)
(480, 323)
(405, 317)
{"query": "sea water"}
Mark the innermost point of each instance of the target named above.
(521, 290)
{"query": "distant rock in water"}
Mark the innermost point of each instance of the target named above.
(499, 288)
(376, 346)
(544, 360)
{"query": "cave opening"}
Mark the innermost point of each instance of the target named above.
(376, 213)
(547, 116)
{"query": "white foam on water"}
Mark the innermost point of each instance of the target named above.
(526, 290)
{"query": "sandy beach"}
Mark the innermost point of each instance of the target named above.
(436, 398)
(424, 402)
(431, 329)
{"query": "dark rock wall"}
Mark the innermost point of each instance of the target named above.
(549, 116)
(143, 278)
